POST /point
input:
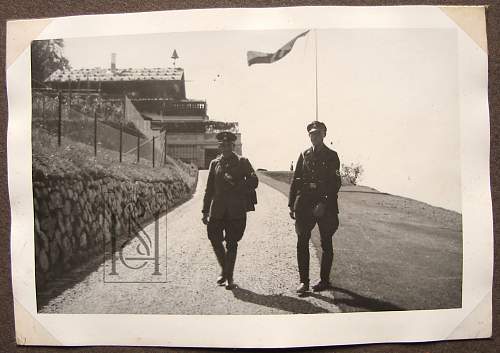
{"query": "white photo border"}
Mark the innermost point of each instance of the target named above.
(473, 320)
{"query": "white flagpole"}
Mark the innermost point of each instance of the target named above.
(316, 69)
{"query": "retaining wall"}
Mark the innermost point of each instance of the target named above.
(75, 214)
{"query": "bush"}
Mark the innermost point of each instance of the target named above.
(351, 173)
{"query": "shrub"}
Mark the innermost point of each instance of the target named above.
(351, 173)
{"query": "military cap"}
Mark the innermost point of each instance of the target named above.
(224, 136)
(315, 126)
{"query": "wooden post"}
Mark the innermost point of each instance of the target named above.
(121, 126)
(153, 151)
(138, 148)
(165, 149)
(124, 107)
(95, 131)
(69, 100)
(121, 141)
(59, 122)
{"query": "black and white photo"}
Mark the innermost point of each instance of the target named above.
(332, 171)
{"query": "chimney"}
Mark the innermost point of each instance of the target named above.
(113, 62)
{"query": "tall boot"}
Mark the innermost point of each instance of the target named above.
(229, 262)
(326, 257)
(326, 266)
(220, 254)
(303, 260)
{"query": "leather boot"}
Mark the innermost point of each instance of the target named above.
(220, 254)
(326, 266)
(303, 288)
(229, 263)
(303, 260)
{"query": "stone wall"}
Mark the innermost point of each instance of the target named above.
(75, 214)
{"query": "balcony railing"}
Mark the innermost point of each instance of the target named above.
(171, 108)
(209, 127)
(185, 108)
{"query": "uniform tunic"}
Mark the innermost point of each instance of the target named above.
(226, 199)
(316, 180)
(228, 196)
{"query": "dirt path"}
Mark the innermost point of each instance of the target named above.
(392, 253)
(265, 273)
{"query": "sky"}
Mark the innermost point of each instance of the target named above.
(389, 97)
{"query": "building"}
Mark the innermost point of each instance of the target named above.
(156, 104)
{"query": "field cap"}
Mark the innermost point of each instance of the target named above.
(225, 136)
(316, 126)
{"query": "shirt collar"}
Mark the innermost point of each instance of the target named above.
(319, 148)
(228, 158)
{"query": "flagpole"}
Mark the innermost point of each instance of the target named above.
(316, 69)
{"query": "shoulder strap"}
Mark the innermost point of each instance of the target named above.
(216, 160)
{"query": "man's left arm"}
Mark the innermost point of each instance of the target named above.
(336, 180)
(251, 179)
(209, 189)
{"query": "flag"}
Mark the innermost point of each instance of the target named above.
(257, 57)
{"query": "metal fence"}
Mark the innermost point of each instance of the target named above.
(98, 121)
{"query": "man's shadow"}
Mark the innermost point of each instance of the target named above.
(278, 301)
(350, 301)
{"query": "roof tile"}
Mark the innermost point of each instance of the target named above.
(129, 74)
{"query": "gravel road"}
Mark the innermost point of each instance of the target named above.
(266, 270)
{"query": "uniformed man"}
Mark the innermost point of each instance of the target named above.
(229, 194)
(313, 200)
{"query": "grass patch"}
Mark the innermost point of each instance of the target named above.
(74, 159)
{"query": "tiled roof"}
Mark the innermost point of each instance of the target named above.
(130, 74)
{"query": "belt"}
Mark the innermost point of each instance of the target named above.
(311, 186)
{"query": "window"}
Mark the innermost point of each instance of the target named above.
(184, 152)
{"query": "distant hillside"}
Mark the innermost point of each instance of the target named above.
(286, 176)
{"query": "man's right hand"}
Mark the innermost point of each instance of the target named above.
(205, 219)
(292, 214)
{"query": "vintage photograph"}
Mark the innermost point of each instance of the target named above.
(178, 171)
(247, 172)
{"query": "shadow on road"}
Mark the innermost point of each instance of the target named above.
(366, 192)
(94, 262)
(350, 301)
(278, 301)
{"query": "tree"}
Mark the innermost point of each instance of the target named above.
(352, 172)
(46, 57)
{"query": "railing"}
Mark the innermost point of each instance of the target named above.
(99, 122)
(185, 108)
(166, 107)
(199, 127)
